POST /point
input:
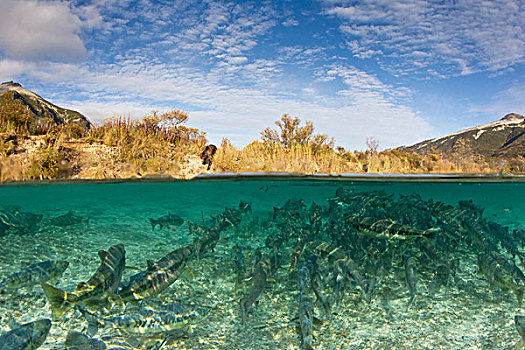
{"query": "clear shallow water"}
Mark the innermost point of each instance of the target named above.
(119, 212)
(188, 199)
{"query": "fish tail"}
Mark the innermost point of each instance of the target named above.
(411, 301)
(60, 301)
(153, 223)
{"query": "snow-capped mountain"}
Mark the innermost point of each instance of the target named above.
(502, 138)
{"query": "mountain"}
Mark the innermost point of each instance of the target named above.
(40, 110)
(504, 138)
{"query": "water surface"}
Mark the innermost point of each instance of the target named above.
(456, 317)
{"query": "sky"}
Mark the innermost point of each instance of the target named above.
(399, 71)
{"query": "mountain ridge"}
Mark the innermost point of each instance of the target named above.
(503, 138)
(39, 109)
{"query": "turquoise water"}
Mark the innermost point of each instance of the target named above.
(470, 313)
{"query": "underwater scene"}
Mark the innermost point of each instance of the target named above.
(263, 264)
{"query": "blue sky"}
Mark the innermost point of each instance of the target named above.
(397, 70)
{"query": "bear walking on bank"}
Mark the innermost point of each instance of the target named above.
(207, 155)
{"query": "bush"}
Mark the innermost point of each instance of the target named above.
(48, 163)
(291, 133)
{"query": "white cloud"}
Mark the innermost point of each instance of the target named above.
(290, 22)
(509, 100)
(368, 108)
(461, 37)
(237, 59)
(35, 30)
(226, 30)
(304, 56)
(203, 58)
(10, 69)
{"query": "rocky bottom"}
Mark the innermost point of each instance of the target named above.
(466, 315)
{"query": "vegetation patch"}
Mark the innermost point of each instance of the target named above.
(159, 144)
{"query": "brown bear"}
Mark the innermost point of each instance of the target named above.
(207, 155)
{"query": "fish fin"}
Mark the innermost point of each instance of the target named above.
(153, 223)
(189, 272)
(431, 231)
(132, 268)
(162, 343)
(248, 278)
(82, 285)
(92, 320)
(13, 324)
(102, 254)
(60, 301)
(317, 321)
(151, 264)
(116, 299)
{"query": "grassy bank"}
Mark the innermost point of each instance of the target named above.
(159, 144)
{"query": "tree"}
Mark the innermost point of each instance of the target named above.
(373, 144)
(155, 121)
(290, 132)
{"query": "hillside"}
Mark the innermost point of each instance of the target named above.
(41, 111)
(504, 138)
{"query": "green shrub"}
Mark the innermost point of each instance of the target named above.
(48, 163)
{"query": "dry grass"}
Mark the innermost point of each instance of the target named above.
(158, 145)
(146, 148)
(271, 157)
